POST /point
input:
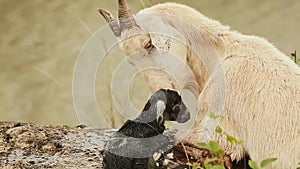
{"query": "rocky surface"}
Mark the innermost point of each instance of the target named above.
(32, 146)
(26, 145)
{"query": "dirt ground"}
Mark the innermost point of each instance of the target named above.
(30, 146)
(40, 41)
(26, 145)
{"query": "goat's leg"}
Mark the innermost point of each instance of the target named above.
(235, 150)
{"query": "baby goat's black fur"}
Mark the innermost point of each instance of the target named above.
(137, 140)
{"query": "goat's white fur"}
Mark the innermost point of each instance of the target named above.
(160, 108)
(262, 104)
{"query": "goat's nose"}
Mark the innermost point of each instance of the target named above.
(184, 115)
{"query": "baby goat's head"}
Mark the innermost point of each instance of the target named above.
(168, 106)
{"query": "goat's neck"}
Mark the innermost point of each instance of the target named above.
(149, 119)
(200, 74)
(206, 47)
(205, 54)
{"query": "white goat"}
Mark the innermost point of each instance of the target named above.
(262, 85)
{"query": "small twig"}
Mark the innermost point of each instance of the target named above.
(185, 152)
(200, 155)
(295, 56)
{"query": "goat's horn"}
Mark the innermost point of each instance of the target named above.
(125, 17)
(123, 9)
(108, 16)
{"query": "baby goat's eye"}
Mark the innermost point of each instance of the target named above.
(176, 102)
(176, 107)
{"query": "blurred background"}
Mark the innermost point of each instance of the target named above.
(40, 41)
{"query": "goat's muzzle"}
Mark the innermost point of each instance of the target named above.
(184, 114)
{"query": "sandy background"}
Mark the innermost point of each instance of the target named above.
(40, 41)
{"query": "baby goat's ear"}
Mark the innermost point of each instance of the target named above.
(160, 108)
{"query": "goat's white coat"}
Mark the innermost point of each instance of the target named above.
(262, 85)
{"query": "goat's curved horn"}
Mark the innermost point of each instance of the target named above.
(108, 16)
(123, 9)
(125, 17)
(114, 25)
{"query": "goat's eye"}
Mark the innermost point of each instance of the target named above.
(176, 107)
(176, 102)
(148, 45)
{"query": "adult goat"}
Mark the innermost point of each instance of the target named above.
(249, 81)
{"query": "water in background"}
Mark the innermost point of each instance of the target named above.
(40, 41)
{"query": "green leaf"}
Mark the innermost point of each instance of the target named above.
(217, 167)
(220, 152)
(194, 165)
(213, 146)
(202, 145)
(252, 164)
(208, 166)
(266, 162)
(232, 139)
(219, 130)
(209, 160)
(214, 116)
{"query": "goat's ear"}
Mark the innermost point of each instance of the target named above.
(160, 108)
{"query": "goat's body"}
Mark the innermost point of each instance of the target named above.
(262, 102)
(127, 146)
(127, 129)
(133, 146)
(133, 141)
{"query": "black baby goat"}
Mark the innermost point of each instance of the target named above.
(137, 140)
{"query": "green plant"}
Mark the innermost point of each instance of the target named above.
(194, 165)
(213, 115)
(220, 131)
(263, 164)
(206, 165)
(212, 146)
(229, 137)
